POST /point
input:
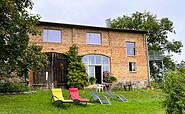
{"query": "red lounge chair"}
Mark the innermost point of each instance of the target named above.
(75, 95)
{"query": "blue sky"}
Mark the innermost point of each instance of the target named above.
(95, 12)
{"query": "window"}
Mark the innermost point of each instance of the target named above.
(132, 66)
(52, 35)
(130, 48)
(91, 61)
(94, 38)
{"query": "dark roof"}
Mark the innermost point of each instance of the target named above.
(89, 27)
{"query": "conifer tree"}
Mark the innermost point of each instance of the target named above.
(77, 76)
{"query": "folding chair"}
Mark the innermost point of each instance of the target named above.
(95, 96)
(116, 96)
(57, 97)
(76, 96)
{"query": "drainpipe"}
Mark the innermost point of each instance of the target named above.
(147, 58)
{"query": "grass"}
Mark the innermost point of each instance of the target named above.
(140, 102)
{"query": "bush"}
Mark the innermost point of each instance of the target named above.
(13, 87)
(92, 80)
(76, 76)
(174, 89)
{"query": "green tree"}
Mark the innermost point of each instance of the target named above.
(174, 91)
(77, 76)
(15, 26)
(33, 59)
(157, 37)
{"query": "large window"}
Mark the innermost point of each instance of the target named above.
(91, 61)
(132, 66)
(94, 38)
(130, 48)
(52, 35)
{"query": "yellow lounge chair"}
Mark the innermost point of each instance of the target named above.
(58, 97)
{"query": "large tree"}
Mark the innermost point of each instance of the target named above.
(157, 37)
(16, 23)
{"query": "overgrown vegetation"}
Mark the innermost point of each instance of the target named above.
(140, 101)
(174, 89)
(77, 76)
(13, 87)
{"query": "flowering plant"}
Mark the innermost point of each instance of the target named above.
(107, 76)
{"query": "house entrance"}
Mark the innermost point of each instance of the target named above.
(98, 74)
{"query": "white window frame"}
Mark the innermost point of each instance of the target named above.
(48, 35)
(89, 43)
(134, 48)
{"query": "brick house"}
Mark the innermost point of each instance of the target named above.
(123, 52)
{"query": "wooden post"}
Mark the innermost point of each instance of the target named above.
(31, 79)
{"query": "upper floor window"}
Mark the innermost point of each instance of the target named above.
(130, 48)
(132, 66)
(94, 38)
(52, 35)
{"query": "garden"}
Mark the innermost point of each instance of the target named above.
(140, 101)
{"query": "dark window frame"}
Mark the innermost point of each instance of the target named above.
(132, 66)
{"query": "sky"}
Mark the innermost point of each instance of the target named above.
(95, 12)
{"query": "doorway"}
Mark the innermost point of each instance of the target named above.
(98, 74)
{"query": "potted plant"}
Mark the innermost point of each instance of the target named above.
(148, 87)
(112, 79)
(106, 76)
(92, 80)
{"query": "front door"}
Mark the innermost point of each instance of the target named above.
(98, 74)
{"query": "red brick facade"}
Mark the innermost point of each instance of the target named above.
(113, 45)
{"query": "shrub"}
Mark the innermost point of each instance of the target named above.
(92, 80)
(13, 87)
(174, 89)
(76, 76)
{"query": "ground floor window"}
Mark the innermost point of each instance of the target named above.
(96, 65)
(132, 66)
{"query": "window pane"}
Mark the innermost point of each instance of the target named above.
(86, 66)
(55, 35)
(98, 59)
(105, 60)
(87, 38)
(84, 60)
(91, 71)
(94, 38)
(91, 59)
(130, 48)
(133, 66)
(106, 68)
(45, 35)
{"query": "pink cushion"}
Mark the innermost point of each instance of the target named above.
(75, 95)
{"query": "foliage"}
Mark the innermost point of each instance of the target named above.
(92, 80)
(13, 87)
(157, 38)
(15, 26)
(33, 59)
(77, 76)
(113, 79)
(174, 89)
(108, 77)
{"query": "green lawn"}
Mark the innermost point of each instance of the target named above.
(140, 102)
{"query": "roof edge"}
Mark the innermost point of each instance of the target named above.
(86, 26)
